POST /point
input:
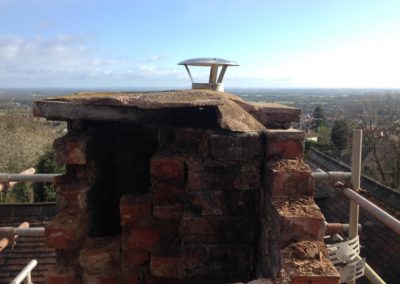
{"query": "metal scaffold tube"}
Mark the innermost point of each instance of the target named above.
(27, 177)
(374, 210)
(333, 176)
(31, 232)
(372, 276)
(25, 274)
(5, 241)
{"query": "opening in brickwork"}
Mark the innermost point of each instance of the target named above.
(122, 156)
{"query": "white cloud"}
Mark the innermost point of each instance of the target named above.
(66, 60)
(64, 54)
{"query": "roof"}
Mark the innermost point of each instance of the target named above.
(181, 108)
(13, 260)
(380, 245)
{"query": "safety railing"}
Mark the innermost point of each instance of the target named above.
(25, 274)
(9, 234)
(356, 200)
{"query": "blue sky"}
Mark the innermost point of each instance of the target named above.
(279, 44)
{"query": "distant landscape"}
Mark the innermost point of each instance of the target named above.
(328, 115)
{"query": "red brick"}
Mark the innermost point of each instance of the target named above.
(133, 258)
(168, 210)
(71, 149)
(134, 209)
(315, 279)
(166, 168)
(241, 203)
(61, 279)
(143, 239)
(306, 262)
(301, 228)
(212, 175)
(235, 147)
(166, 267)
(100, 255)
(66, 231)
(289, 182)
(72, 196)
(208, 202)
(136, 276)
(109, 278)
(217, 230)
(211, 258)
(188, 134)
(61, 275)
(164, 192)
(191, 141)
(156, 280)
(300, 220)
(285, 144)
(248, 177)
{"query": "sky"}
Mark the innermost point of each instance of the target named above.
(134, 44)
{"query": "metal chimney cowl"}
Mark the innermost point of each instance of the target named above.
(215, 80)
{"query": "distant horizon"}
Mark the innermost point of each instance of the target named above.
(185, 88)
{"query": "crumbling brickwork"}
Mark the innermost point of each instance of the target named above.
(206, 194)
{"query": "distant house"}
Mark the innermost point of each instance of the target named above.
(311, 135)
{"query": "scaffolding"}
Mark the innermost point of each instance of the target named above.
(346, 253)
(8, 235)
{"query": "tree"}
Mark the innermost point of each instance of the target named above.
(380, 120)
(319, 117)
(45, 192)
(339, 134)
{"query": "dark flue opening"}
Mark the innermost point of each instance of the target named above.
(122, 156)
(194, 117)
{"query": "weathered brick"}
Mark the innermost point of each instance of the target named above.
(161, 280)
(61, 275)
(207, 202)
(142, 276)
(284, 144)
(164, 192)
(134, 208)
(136, 276)
(211, 229)
(72, 196)
(133, 258)
(71, 149)
(100, 255)
(67, 258)
(306, 262)
(66, 231)
(235, 147)
(167, 169)
(211, 175)
(168, 210)
(200, 258)
(289, 179)
(248, 177)
(166, 267)
(143, 239)
(106, 278)
(191, 141)
(204, 277)
(243, 203)
(315, 279)
(299, 220)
